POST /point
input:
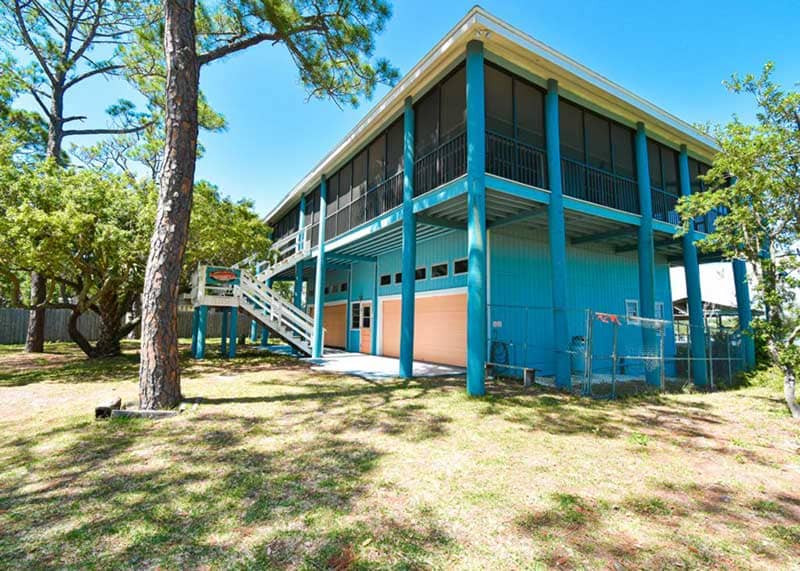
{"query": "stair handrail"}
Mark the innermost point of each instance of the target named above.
(261, 288)
(278, 320)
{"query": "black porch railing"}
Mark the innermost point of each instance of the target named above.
(446, 162)
(598, 186)
(511, 159)
(664, 206)
(385, 196)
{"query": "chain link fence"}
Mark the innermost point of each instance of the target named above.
(610, 354)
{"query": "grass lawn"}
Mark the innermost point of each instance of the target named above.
(279, 467)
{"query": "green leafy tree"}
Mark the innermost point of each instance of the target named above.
(85, 232)
(66, 45)
(88, 232)
(332, 44)
(761, 217)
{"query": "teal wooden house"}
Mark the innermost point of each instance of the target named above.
(496, 193)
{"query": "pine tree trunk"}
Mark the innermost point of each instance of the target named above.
(159, 373)
(34, 339)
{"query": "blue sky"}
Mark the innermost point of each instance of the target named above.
(675, 54)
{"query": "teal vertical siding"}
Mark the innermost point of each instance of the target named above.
(520, 305)
(447, 248)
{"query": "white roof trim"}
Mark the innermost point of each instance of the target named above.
(478, 17)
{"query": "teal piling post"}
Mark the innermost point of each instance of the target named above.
(223, 347)
(202, 326)
(691, 268)
(556, 229)
(476, 222)
(298, 284)
(253, 330)
(374, 339)
(409, 247)
(194, 331)
(319, 283)
(234, 322)
(646, 252)
(745, 312)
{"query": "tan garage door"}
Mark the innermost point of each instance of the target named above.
(334, 320)
(440, 329)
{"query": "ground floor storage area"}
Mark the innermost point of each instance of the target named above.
(334, 320)
(440, 328)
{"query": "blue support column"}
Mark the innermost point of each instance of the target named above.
(558, 240)
(223, 348)
(374, 339)
(253, 330)
(476, 222)
(319, 284)
(745, 312)
(264, 336)
(646, 250)
(202, 326)
(298, 285)
(194, 331)
(691, 268)
(409, 247)
(234, 322)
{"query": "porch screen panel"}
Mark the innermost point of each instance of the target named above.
(426, 128)
(598, 138)
(333, 206)
(499, 101)
(654, 163)
(359, 189)
(573, 155)
(440, 138)
(345, 196)
(529, 110)
(571, 131)
(394, 148)
(624, 154)
(453, 116)
(312, 217)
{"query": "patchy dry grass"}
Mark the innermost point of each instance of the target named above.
(282, 468)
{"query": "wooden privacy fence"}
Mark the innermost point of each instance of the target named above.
(14, 324)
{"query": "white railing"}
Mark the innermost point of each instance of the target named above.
(269, 308)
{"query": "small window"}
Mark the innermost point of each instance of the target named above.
(343, 287)
(355, 315)
(659, 310)
(631, 308)
(421, 273)
(460, 267)
(398, 278)
(386, 279)
(366, 315)
(327, 290)
(439, 270)
(334, 288)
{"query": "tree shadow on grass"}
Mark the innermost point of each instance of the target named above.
(392, 407)
(175, 494)
(579, 532)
